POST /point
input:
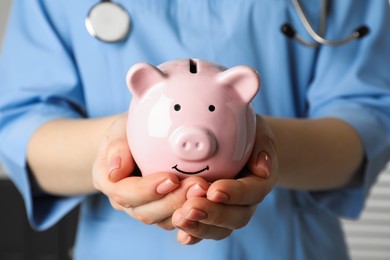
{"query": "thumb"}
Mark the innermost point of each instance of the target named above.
(264, 160)
(260, 164)
(120, 163)
(120, 166)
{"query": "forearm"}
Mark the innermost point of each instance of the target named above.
(316, 154)
(61, 154)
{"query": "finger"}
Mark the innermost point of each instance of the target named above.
(115, 205)
(198, 190)
(260, 163)
(119, 159)
(187, 239)
(113, 160)
(216, 214)
(263, 160)
(248, 190)
(262, 166)
(135, 191)
(198, 229)
(158, 210)
(120, 163)
(166, 224)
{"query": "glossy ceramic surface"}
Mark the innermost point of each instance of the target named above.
(191, 117)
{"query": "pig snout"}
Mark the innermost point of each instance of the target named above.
(193, 143)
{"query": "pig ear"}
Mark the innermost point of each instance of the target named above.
(244, 80)
(141, 77)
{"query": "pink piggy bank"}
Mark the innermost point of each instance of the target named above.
(191, 117)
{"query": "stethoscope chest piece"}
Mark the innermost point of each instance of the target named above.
(108, 22)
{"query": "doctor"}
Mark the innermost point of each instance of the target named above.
(322, 132)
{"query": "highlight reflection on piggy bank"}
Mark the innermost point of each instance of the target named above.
(191, 117)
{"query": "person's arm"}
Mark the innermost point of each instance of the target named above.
(316, 154)
(313, 154)
(61, 153)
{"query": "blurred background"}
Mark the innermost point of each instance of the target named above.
(17, 240)
(368, 238)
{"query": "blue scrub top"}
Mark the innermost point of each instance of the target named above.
(51, 68)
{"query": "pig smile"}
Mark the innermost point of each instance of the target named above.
(185, 172)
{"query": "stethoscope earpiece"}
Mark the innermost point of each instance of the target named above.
(108, 22)
(288, 30)
(361, 32)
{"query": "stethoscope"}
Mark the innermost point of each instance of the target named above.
(110, 22)
(318, 39)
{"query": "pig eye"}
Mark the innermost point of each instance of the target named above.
(211, 108)
(177, 107)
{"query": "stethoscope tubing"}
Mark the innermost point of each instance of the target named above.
(318, 38)
(313, 34)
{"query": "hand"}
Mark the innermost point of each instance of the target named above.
(230, 204)
(143, 198)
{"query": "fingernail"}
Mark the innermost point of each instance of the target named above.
(196, 191)
(187, 240)
(183, 223)
(219, 196)
(115, 163)
(188, 224)
(184, 238)
(195, 215)
(264, 162)
(166, 186)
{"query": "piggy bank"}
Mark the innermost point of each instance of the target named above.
(191, 117)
